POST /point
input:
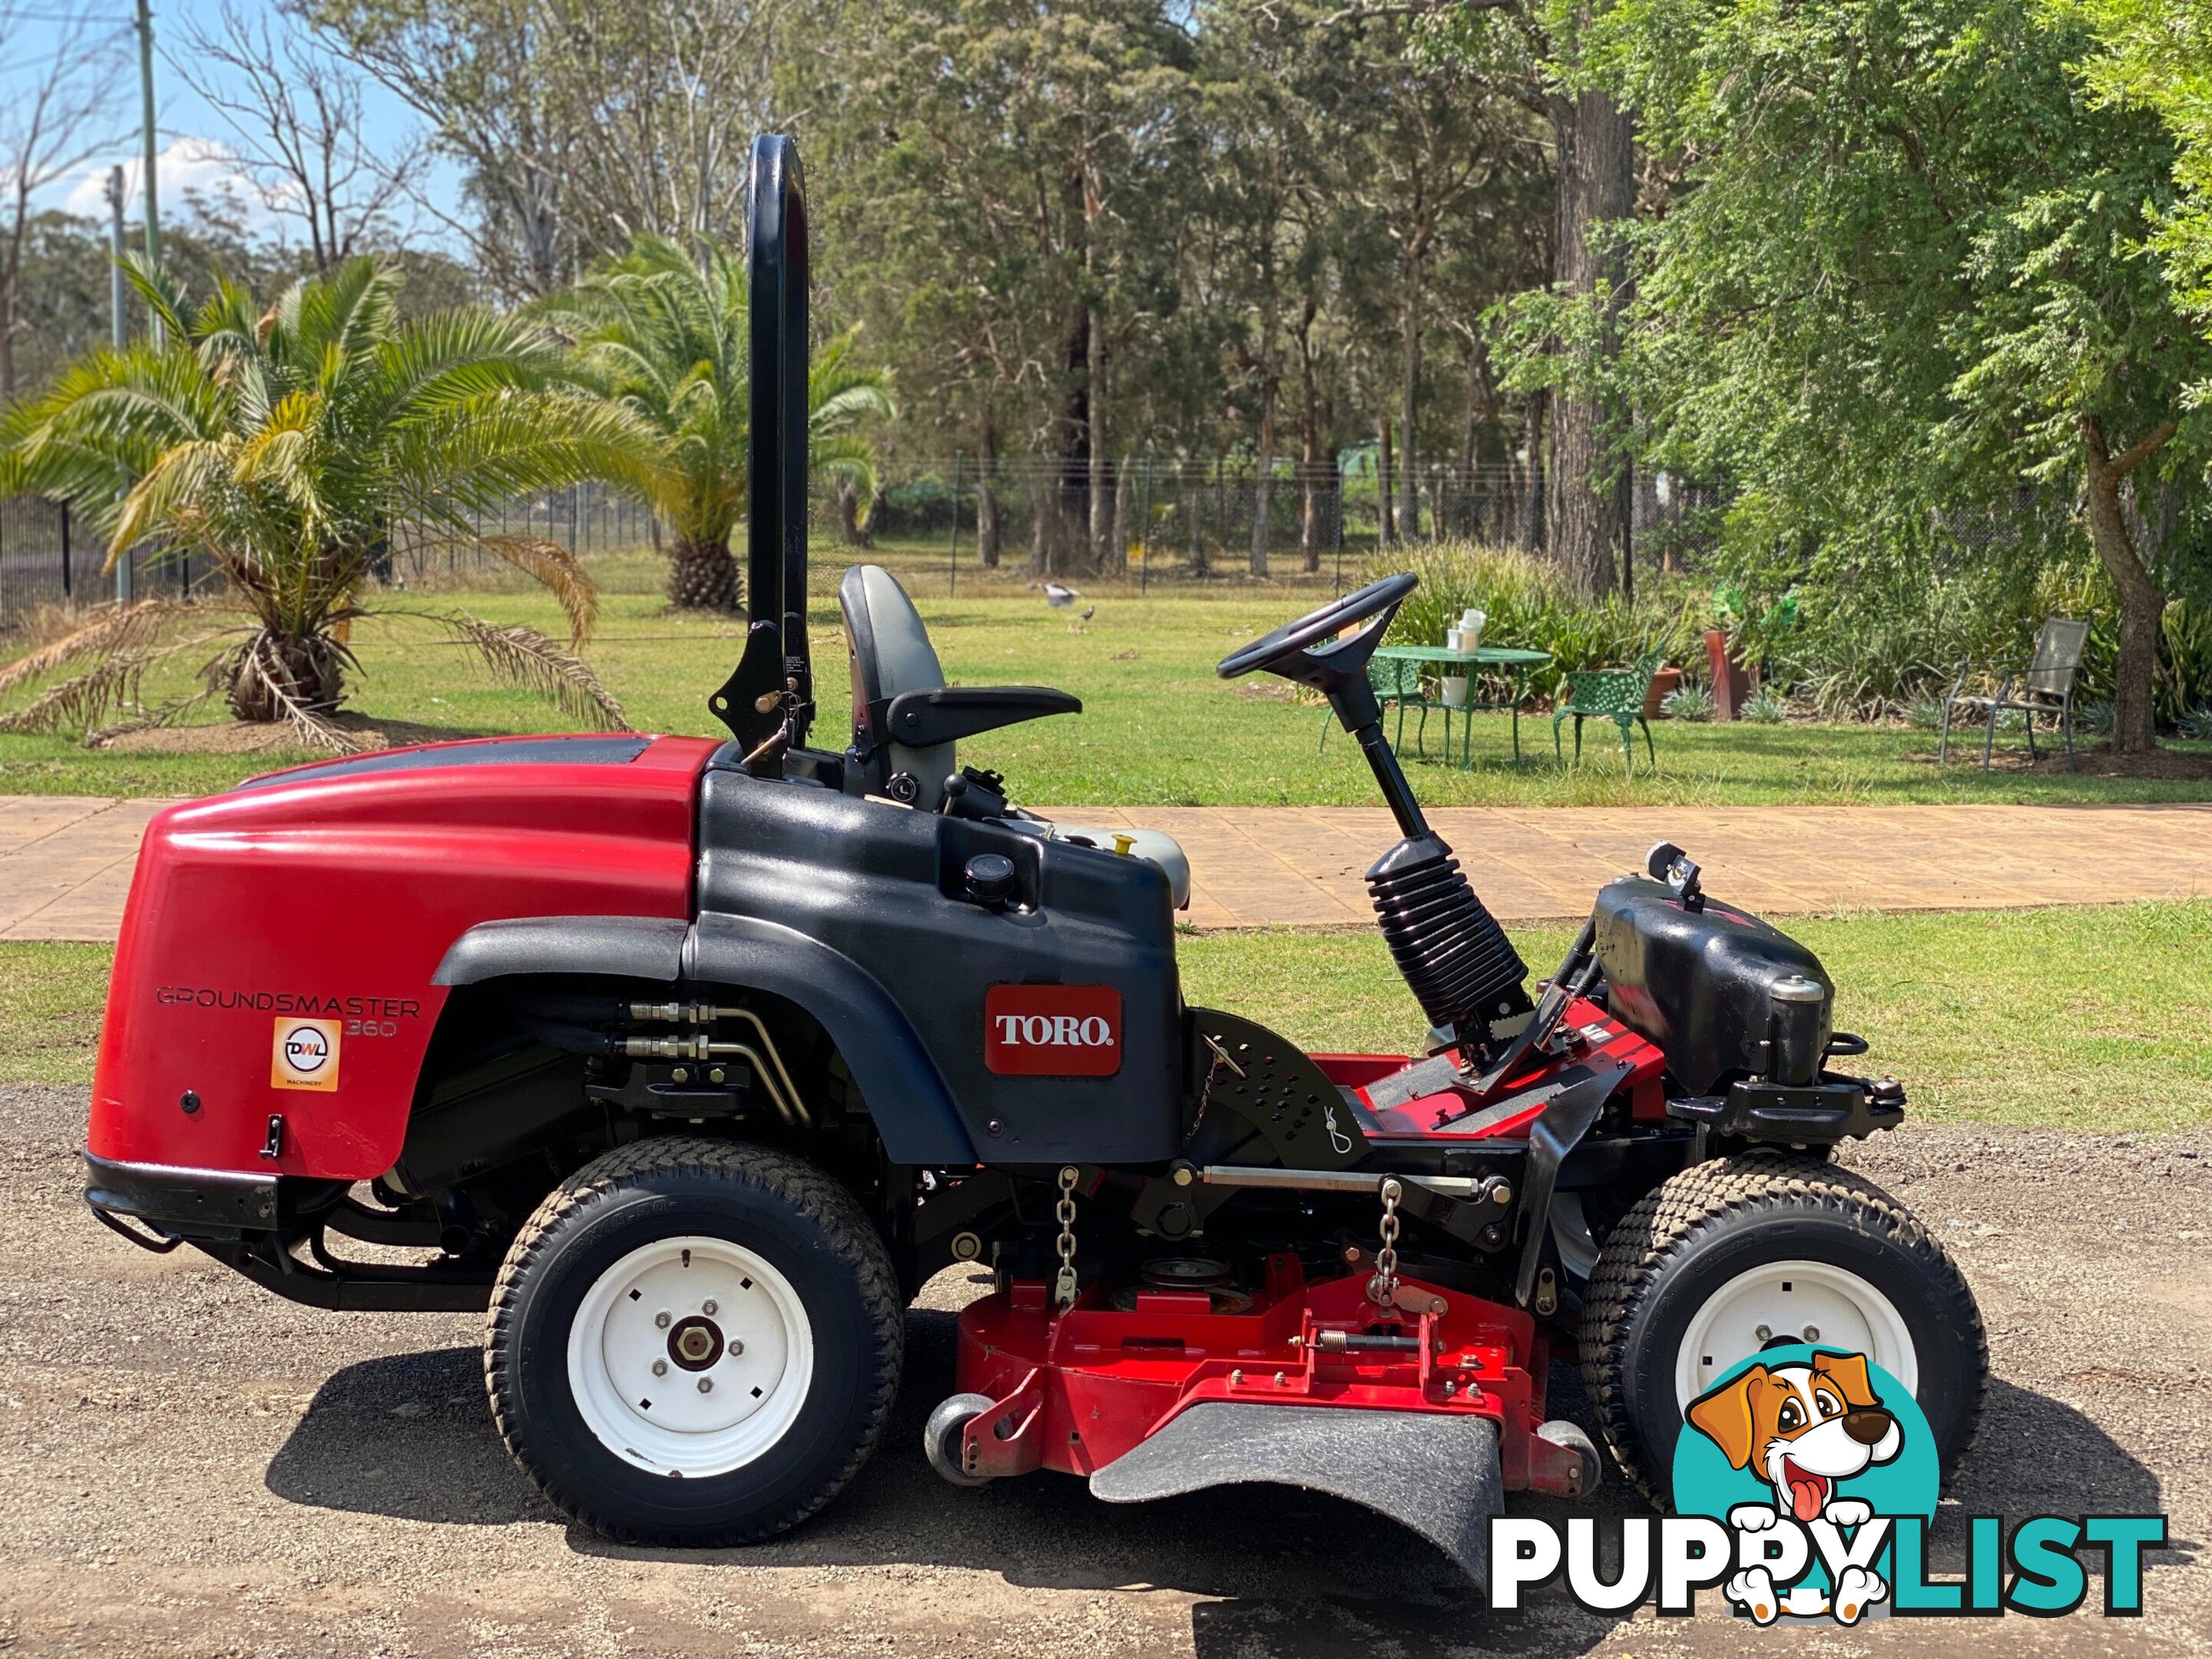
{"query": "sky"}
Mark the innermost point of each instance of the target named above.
(197, 141)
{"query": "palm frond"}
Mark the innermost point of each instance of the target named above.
(526, 658)
(558, 571)
(82, 699)
(122, 631)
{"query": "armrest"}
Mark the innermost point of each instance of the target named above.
(922, 719)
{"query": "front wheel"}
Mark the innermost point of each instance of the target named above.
(694, 1342)
(1763, 1250)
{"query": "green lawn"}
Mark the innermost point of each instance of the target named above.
(2096, 1017)
(2092, 1018)
(1157, 729)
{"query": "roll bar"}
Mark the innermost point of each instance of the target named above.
(775, 219)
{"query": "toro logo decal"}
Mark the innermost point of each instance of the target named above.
(306, 1055)
(1052, 1030)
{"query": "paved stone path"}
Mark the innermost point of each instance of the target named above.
(66, 864)
(1255, 866)
(66, 861)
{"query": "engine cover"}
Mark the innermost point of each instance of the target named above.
(1722, 994)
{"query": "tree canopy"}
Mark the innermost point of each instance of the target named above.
(1905, 274)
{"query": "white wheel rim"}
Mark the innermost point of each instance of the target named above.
(703, 1309)
(1786, 1300)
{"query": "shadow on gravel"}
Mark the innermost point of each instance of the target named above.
(411, 1435)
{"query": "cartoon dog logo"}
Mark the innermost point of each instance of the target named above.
(1807, 1428)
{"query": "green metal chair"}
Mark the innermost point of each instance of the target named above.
(1611, 694)
(1397, 681)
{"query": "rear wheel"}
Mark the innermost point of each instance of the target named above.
(694, 1342)
(1740, 1254)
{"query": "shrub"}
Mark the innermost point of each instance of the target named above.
(1691, 701)
(1766, 706)
(2198, 723)
(1529, 606)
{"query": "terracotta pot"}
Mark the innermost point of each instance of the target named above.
(1731, 685)
(1665, 680)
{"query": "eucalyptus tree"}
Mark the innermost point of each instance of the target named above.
(578, 125)
(1904, 274)
(1010, 176)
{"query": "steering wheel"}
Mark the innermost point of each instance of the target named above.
(1283, 652)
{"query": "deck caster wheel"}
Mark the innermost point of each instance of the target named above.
(1764, 1250)
(941, 1435)
(694, 1343)
(1586, 1479)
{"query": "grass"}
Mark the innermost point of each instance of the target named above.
(50, 998)
(1158, 729)
(2092, 1018)
(2096, 1018)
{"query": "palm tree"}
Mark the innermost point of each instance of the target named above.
(666, 337)
(290, 446)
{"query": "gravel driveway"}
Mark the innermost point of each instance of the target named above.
(189, 1464)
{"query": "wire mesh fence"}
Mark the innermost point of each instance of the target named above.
(1153, 519)
(51, 560)
(1139, 518)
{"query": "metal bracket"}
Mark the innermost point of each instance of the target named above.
(273, 1148)
(1008, 1438)
(1570, 1116)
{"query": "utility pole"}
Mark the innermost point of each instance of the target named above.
(118, 329)
(146, 91)
(118, 333)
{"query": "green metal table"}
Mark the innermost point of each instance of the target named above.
(1518, 662)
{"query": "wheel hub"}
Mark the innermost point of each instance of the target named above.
(695, 1343)
(690, 1357)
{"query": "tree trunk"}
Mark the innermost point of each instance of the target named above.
(1535, 475)
(702, 576)
(2142, 603)
(1102, 468)
(1045, 494)
(1409, 391)
(850, 530)
(1117, 551)
(1263, 490)
(1597, 183)
(1308, 445)
(986, 495)
(1193, 503)
(306, 671)
(1384, 537)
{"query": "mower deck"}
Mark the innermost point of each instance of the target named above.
(1077, 1392)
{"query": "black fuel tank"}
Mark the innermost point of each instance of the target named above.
(1722, 994)
(885, 887)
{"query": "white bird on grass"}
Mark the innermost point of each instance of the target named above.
(1057, 595)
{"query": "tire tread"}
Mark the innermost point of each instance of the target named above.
(846, 1230)
(1673, 1217)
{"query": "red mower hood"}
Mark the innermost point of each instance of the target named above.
(322, 898)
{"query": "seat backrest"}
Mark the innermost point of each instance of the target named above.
(890, 654)
(1394, 677)
(2057, 655)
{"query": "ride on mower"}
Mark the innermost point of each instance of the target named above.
(692, 1060)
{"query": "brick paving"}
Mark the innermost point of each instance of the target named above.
(1256, 867)
(66, 861)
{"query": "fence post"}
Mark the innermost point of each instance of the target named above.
(1145, 531)
(953, 559)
